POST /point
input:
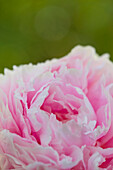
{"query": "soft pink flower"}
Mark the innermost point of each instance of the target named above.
(58, 115)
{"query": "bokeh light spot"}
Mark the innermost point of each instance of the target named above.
(52, 23)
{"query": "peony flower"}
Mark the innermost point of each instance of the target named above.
(58, 115)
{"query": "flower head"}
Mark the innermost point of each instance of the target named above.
(58, 115)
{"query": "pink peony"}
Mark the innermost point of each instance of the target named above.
(58, 115)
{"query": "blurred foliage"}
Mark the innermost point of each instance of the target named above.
(36, 30)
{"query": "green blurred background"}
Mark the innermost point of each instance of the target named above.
(36, 30)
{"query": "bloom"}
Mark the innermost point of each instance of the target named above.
(58, 115)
